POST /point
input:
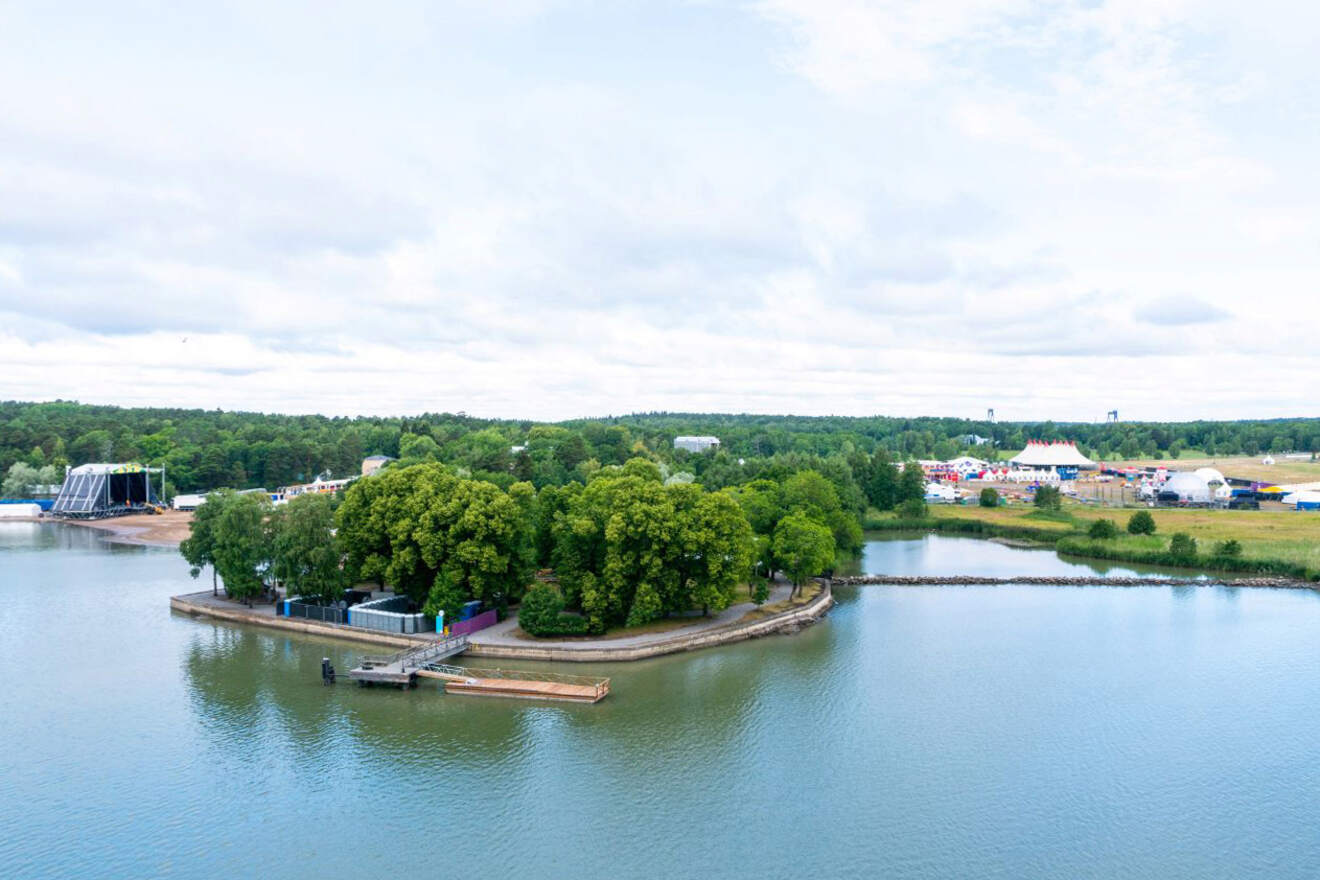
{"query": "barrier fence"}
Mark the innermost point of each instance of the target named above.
(388, 615)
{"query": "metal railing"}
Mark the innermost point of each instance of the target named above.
(416, 656)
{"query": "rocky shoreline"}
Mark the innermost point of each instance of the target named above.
(1071, 581)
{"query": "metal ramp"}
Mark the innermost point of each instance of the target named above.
(400, 668)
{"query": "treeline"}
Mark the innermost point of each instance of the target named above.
(626, 547)
(203, 450)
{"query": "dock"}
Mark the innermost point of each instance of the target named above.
(518, 683)
(403, 668)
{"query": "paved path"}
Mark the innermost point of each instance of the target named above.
(501, 634)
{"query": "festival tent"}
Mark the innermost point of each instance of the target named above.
(1040, 454)
(1215, 480)
(1185, 487)
(1306, 500)
(937, 492)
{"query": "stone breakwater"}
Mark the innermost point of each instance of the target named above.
(1082, 581)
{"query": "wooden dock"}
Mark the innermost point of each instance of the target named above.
(518, 684)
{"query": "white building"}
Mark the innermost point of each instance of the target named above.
(696, 444)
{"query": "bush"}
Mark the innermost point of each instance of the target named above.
(913, 508)
(1182, 546)
(1229, 549)
(1103, 530)
(1049, 498)
(760, 592)
(989, 497)
(1141, 523)
(541, 614)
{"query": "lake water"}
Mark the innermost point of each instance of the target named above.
(928, 732)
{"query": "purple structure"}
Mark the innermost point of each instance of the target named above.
(471, 625)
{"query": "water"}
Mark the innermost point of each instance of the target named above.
(925, 732)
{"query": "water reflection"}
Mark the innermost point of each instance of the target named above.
(928, 554)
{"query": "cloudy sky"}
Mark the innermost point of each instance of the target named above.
(552, 209)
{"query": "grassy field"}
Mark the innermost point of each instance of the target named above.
(1291, 537)
(1247, 467)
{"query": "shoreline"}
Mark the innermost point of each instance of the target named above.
(203, 605)
(166, 530)
(1070, 581)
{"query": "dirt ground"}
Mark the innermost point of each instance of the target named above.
(155, 530)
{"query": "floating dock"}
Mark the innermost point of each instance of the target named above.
(402, 669)
(518, 683)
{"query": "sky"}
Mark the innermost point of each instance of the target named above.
(542, 209)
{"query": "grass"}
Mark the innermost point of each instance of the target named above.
(809, 592)
(1287, 541)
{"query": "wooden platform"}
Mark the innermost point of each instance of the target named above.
(527, 689)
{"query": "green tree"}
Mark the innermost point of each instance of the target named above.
(989, 497)
(477, 536)
(198, 549)
(1103, 530)
(1182, 547)
(911, 483)
(1225, 551)
(541, 614)
(913, 508)
(1141, 523)
(19, 482)
(305, 554)
(803, 547)
(1048, 498)
(241, 547)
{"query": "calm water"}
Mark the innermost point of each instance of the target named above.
(918, 732)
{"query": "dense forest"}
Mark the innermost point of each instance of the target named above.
(206, 449)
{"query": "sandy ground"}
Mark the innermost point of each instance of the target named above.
(151, 530)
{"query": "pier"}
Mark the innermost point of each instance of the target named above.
(403, 668)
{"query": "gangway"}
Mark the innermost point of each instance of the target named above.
(400, 668)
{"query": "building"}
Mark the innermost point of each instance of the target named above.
(188, 502)
(96, 491)
(1061, 457)
(696, 444)
(373, 463)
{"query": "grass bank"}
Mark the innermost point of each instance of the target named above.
(1285, 544)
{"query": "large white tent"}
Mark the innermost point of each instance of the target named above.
(1060, 454)
(1185, 487)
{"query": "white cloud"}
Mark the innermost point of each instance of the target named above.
(559, 209)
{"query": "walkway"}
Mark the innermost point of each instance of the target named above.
(502, 633)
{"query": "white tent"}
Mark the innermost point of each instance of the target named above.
(940, 492)
(1185, 487)
(1305, 499)
(1219, 487)
(1039, 454)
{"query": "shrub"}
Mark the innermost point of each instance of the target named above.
(1229, 549)
(1103, 530)
(760, 592)
(541, 614)
(1049, 498)
(1182, 546)
(913, 508)
(1141, 523)
(989, 497)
